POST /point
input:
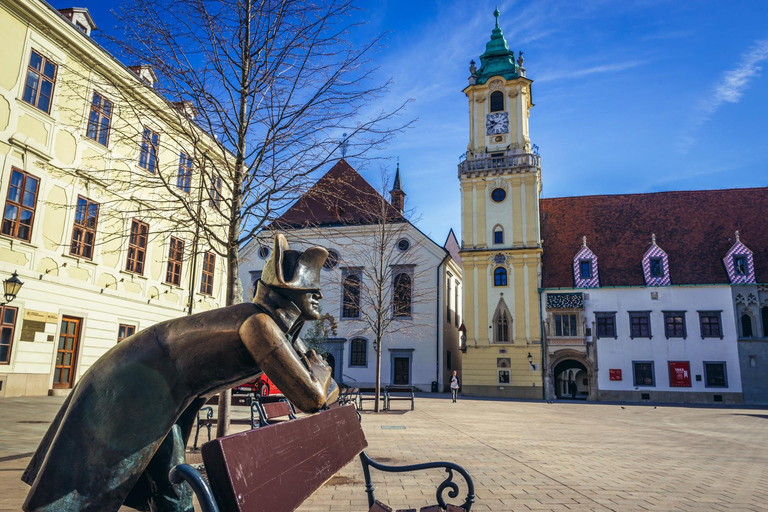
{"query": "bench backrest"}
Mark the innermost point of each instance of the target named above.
(276, 410)
(279, 466)
(235, 400)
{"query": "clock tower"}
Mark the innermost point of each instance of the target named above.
(501, 237)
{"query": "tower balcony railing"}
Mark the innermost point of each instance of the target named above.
(519, 161)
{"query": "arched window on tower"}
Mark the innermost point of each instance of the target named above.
(500, 277)
(746, 326)
(402, 291)
(497, 101)
(764, 315)
(498, 235)
(502, 323)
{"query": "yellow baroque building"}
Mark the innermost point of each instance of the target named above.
(501, 241)
(100, 244)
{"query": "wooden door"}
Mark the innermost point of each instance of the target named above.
(402, 371)
(66, 355)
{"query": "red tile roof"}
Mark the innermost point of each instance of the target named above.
(340, 197)
(695, 229)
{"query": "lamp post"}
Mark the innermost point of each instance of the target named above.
(11, 287)
(530, 360)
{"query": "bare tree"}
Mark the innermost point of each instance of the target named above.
(281, 86)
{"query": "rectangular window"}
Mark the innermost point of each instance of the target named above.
(150, 143)
(715, 375)
(7, 328)
(84, 228)
(640, 324)
(209, 264)
(448, 299)
(643, 372)
(175, 257)
(585, 267)
(504, 376)
(740, 265)
(498, 237)
(358, 352)
(565, 325)
(606, 325)
(674, 324)
(137, 247)
(100, 119)
(456, 304)
(215, 191)
(448, 359)
(20, 205)
(184, 178)
(38, 86)
(124, 331)
(657, 270)
(710, 324)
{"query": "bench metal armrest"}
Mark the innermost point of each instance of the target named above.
(209, 416)
(448, 483)
(186, 473)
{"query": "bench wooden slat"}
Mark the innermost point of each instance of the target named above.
(268, 468)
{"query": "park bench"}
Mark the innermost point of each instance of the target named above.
(277, 467)
(391, 393)
(365, 394)
(205, 414)
(348, 395)
(274, 412)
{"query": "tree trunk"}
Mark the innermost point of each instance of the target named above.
(378, 375)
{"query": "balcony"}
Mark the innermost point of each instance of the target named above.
(524, 162)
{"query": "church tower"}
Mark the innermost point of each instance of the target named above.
(501, 238)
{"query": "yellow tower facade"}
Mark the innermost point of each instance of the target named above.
(501, 237)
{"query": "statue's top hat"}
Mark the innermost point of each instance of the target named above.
(293, 270)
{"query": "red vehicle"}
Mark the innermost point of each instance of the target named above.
(263, 386)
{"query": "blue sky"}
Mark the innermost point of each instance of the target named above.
(631, 96)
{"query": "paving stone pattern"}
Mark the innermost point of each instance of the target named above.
(521, 455)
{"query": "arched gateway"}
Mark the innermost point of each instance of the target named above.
(570, 375)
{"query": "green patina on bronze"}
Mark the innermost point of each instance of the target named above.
(498, 59)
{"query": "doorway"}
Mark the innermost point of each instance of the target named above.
(66, 354)
(401, 367)
(571, 380)
(332, 363)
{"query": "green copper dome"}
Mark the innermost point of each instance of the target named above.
(498, 59)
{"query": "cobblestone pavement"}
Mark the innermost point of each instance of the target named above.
(521, 455)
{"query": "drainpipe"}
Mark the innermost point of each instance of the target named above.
(544, 384)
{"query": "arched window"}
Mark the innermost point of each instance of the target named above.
(502, 321)
(497, 101)
(350, 307)
(358, 352)
(498, 235)
(500, 277)
(764, 314)
(746, 326)
(402, 295)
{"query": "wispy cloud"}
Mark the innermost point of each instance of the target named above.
(592, 70)
(729, 89)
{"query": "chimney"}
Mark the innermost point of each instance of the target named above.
(145, 73)
(80, 18)
(187, 108)
(397, 196)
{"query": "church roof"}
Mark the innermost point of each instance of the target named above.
(498, 59)
(694, 228)
(340, 197)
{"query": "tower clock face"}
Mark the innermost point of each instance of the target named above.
(497, 123)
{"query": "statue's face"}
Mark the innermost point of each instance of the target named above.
(308, 302)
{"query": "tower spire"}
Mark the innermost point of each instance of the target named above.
(397, 196)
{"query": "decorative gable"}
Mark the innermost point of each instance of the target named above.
(585, 267)
(740, 264)
(656, 265)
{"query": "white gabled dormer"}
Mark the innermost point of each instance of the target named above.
(739, 263)
(80, 18)
(656, 265)
(145, 73)
(585, 274)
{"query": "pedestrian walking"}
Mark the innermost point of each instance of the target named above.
(454, 386)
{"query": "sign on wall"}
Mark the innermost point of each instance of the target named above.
(679, 374)
(615, 373)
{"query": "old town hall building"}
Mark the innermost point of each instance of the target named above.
(628, 297)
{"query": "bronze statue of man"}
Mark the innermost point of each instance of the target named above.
(127, 421)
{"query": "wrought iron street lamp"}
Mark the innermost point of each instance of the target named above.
(11, 287)
(530, 361)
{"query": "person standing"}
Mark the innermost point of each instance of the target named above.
(454, 386)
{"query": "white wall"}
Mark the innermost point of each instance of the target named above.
(620, 353)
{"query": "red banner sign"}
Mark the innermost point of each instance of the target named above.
(679, 374)
(615, 374)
